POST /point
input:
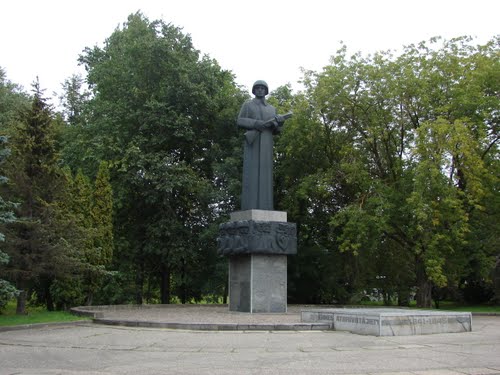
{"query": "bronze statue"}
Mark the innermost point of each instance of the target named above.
(261, 121)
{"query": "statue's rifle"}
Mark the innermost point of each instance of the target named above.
(252, 134)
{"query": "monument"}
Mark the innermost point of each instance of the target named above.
(390, 321)
(258, 239)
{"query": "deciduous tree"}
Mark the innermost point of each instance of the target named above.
(160, 114)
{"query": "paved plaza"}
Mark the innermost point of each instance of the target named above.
(88, 348)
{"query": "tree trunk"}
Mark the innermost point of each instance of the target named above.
(387, 297)
(165, 284)
(49, 302)
(149, 292)
(403, 297)
(424, 286)
(90, 283)
(226, 291)
(184, 286)
(424, 299)
(21, 302)
(90, 298)
(46, 282)
(139, 283)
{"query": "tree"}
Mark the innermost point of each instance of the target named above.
(102, 215)
(402, 154)
(438, 223)
(89, 209)
(7, 290)
(159, 113)
(12, 101)
(98, 214)
(81, 203)
(74, 100)
(41, 244)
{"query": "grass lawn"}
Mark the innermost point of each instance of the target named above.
(475, 309)
(37, 314)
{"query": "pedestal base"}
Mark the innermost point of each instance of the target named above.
(258, 283)
(391, 322)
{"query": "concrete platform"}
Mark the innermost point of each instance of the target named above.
(364, 321)
(197, 317)
(390, 322)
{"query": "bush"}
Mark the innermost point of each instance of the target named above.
(117, 288)
(7, 293)
(477, 292)
(67, 293)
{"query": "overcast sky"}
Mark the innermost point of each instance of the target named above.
(268, 40)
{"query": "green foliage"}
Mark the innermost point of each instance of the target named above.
(74, 101)
(44, 243)
(7, 293)
(440, 222)
(6, 207)
(162, 116)
(117, 288)
(67, 292)
(102, 215)
(11, 101)
(89, 208)
(7, 290)
(398, 155)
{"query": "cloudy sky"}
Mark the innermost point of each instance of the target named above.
(268, 40)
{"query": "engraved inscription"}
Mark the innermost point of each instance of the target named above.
(356, 320)
(417, 321)
(325, 316)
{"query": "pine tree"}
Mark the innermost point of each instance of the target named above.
(39, 245)
(7, 290)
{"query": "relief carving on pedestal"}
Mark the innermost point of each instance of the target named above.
(257, 237)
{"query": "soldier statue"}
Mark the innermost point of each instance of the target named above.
(261, 122)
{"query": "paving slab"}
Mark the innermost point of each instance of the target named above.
(88, 348)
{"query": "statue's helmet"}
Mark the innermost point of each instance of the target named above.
(260, 83)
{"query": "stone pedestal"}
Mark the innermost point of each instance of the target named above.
(257, 283)
(391, 322)
(257, 243)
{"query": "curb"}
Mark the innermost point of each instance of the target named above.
(485, 314)
(41, 325)
(217, 326)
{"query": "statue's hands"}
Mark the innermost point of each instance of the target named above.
(270, 124)
(260, 125)
(280, 119)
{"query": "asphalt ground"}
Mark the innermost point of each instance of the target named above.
(88, 348)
